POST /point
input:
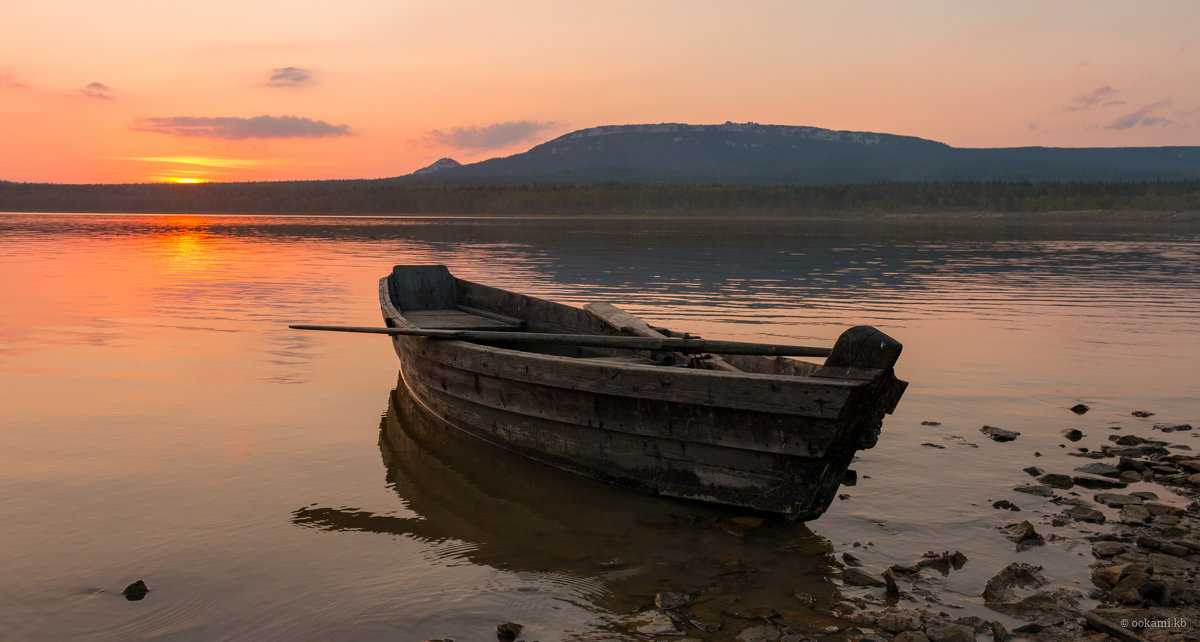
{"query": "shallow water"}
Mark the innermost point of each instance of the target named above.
(160, 422)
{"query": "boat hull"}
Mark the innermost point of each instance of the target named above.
(764, 442)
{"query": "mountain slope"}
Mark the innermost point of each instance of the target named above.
(749, 153)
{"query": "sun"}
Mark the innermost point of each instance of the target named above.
(188, 181)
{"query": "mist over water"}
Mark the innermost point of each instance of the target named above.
(161, 422)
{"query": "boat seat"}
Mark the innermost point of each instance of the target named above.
(463, 318)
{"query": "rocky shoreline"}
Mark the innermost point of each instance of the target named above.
(1144, 567)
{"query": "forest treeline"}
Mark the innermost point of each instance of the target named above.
(395, 197)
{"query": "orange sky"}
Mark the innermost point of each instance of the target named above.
(150, 91)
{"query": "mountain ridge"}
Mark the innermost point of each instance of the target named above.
(756, 154)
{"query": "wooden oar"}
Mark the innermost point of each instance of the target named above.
(671, 344)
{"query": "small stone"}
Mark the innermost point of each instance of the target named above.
(1000, 587)
(1098, 483)
(857, 577)
(908, 636)
(1131, 476)
(1157, 509)
(999, 633)
(999, 434)
(950, 633)
(671, 599)
(1085, 514)
(1108, 549)
(1142, 413)
(135, 591)
(508, 630)
(1128, 440)
(1107, 577)
(1034, 470)
(1072, 434)
(1079, 408)
(889, 580)
(1104, 470)
(1116, 500)
(1004, 504)
(1040, 490)
(851, 560)
(1023, 533)
(1171, 548)
(931, 423)
(1172, 427)
(1032, 627)
(932, 445)
(1057, 480)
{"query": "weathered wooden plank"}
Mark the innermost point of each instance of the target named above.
(811, 396)
(514, 321)
(627, 323)
(423, 287)
(663, 466)
(457, 320)
(585, 411)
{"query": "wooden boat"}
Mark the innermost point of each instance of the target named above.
(761, 432)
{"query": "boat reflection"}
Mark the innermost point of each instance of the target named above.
(518, 515)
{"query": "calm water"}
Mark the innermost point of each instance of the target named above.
(160, 422)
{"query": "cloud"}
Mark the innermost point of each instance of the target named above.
(232, 128)
(8, 79)
(1101, 97)
(97, 90)
(289, 77)
(490, 136)
(1141, 117)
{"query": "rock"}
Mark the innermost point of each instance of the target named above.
(1171, 548)
(1085, 514)
(1103, 625)
(1131, 476)
(1108, 549)
(1040, 490)
(1057, 480)
(1072, 434)
(1107, 577)
(950, 633)
(1172, 427)
(1127, 590)
(651, 622)
(1146, 495)
(999, 434)
(1024, 534)
(135, 591)
(911, 636)
(931, 445)
(671, 599)
(1034, 470)
(1141, 413)
(1129, 440)
(1116, 500)
(857, 577)
(1104, 470)
(1004, 504)
(1000, 588)
(1191, 465)
(851, 560)
(1079, 408)
(889, 579)
(1032, 627)
(999, 633)
(508, 630)
(898, 621)
(1157, 509)
(1098, 483)
(931, 423)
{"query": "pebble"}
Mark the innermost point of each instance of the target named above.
(858, 577)
(999, 434)
(1080, 408)
(135, 591)
(1057, 480)
(1072, 434)
(1104, 470)
(1085, 514)
(508, 630)
(1097, 483)
(1108, 549)
(1142, 413)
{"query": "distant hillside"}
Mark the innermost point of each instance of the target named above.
(753, 154)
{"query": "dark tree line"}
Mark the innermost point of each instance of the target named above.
(394, 197)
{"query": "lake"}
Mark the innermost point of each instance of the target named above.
(160, 422)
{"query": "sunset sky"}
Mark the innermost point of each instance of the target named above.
(138, 91)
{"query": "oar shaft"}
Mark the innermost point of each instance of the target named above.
(671, 344)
